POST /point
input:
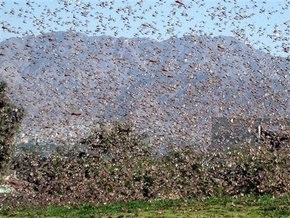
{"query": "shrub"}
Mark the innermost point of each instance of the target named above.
(114, 164)
(110, 166)
(251, 170)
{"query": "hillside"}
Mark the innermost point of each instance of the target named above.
(67, 82)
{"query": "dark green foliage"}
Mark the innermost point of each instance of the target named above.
(9, 122)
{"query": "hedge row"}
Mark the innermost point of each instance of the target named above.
(115, 164)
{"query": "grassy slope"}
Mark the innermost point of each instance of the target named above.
(249, 206)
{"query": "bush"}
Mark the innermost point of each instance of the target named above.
(251, 170)
(9, 121)
(108, 167)
(114, 164)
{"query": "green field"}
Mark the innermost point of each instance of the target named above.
(249, 206)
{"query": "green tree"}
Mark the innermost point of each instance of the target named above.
(10, 118)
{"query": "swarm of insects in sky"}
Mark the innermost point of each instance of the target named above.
(182, 74)
(70, 70)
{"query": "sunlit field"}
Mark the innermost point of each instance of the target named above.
(248, 206)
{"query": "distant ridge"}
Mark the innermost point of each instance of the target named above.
(68, 82)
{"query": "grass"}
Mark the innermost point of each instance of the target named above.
(246, 206)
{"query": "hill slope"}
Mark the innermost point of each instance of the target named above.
(68, 81)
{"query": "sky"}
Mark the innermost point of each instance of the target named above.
(264, 24)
